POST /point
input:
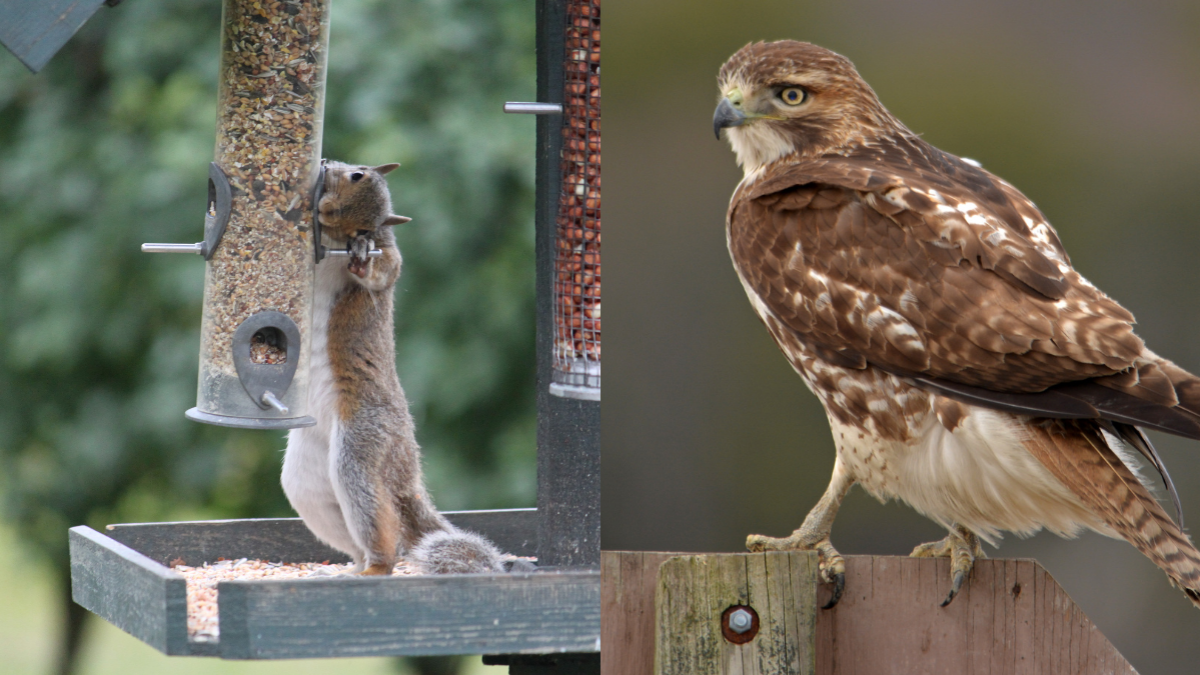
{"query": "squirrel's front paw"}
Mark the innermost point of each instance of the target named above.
(360, 247)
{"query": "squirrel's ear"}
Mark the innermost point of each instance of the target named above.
(385, 168)
(396, 220)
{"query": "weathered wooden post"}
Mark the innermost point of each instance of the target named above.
(736, 613)
(666, 613)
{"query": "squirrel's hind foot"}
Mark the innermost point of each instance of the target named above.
(377, 569)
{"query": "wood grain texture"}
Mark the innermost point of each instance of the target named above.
(129, 590)
(629, 580)
(288, 540)
(1011, 618)
(390, 616)
(694, 591)
(35, 31)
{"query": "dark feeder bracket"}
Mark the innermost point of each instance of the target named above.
(546, 622)
(216, 218)
(265, 384)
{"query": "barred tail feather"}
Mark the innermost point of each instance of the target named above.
(1185, 384)
(1079, 456)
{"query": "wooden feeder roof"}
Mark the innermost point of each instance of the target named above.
(35, 31)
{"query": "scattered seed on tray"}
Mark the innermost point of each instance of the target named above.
(202, 584)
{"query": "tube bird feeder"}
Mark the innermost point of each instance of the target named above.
(260, 239)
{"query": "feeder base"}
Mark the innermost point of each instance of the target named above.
(575, 391)
(197, 415)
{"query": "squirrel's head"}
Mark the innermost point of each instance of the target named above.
(356, 198)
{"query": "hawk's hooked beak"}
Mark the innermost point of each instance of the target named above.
(727, 116)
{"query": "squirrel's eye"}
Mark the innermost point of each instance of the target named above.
(356, 176)
(793, 95)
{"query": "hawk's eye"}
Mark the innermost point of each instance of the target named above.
(793, 95)
(356, 176)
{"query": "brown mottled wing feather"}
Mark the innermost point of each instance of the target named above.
(915, 262)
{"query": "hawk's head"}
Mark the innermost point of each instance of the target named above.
(779, 98)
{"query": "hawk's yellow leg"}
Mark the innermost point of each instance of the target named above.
(813, 535)
(962, 547)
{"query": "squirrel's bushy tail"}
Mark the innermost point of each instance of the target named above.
(455, 551)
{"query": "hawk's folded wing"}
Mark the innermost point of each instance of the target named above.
(918, 263)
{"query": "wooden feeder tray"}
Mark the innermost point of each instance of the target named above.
(122, 575)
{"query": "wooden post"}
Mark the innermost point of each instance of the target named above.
(1011, 617)
(698, 594)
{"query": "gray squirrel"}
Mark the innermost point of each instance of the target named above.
(355, 478)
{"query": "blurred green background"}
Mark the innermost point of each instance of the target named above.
(107, 148)
(1091, 109)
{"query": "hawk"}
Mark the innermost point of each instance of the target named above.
(965, 367)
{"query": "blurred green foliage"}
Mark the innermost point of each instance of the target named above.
(108, 148)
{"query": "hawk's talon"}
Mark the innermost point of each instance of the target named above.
(962, 547)
(955, 587)
(839, 585)
(831, 566)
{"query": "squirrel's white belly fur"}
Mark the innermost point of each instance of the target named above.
(309, 456)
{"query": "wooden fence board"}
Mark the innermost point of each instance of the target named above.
(1010, 618)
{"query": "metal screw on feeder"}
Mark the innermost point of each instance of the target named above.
(533, 108)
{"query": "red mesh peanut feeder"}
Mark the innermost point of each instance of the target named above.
(576, 358)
